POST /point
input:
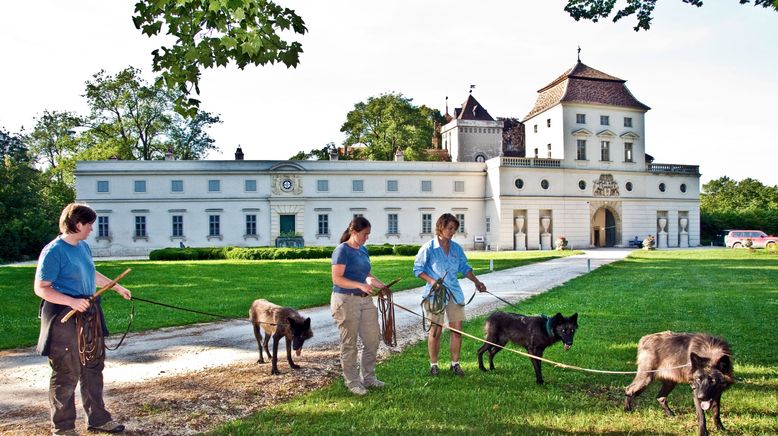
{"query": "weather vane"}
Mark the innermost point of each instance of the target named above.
(579, 53)
(472, 87)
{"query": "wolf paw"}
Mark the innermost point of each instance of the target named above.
(295, 366)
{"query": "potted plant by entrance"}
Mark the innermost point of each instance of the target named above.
(561, 243)
(290, 239)
(649, 243)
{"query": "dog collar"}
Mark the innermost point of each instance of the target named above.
(548, 326)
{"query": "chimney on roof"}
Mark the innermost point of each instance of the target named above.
(334, 153)
(169, 154)
(239, 153)
(399, 156)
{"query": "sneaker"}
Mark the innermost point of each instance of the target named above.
(358, 390)
(108, 427)
(68, 432)
(434, 371)
(374, 383)
(457, 370)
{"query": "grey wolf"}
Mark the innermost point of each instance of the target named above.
(534, 333)
(279, 322)
(699, 359)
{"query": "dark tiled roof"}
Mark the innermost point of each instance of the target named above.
(584, 84)
(472, 110)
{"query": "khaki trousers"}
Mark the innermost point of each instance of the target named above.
(66, 373)
(355, 317)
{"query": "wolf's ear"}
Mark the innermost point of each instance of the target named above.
(574, 318)
(292, 322)
(724, 364)
(697, 361)
(558, 318)
(307, 323)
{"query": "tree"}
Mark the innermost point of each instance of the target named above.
(727, 195)
(131, 119)
(388, 123)
(210, 33)
(596, 9)
(317, 153)
(54, 143)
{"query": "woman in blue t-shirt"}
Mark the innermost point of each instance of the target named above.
(353, 309)
(65, 279)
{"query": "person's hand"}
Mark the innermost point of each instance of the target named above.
(79, 304)
(367, 289)
(480, 286)
(124, 292)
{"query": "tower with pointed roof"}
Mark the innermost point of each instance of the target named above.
(590, 120)
(471, 134)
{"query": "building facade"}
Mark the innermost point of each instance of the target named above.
(586, 177)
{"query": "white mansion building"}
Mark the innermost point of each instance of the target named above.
(586, 176)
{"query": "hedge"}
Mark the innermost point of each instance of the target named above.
(712, 224)
(270, 253)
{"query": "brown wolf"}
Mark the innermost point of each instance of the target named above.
(534, 333)
(709, 370)
(279, 322)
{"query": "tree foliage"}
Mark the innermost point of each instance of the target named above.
(213, 33)
(55, 144)
(643, 9)
(388, 123)
(729, 204)
(318, 153)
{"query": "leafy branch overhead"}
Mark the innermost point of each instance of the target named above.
(212, 33)
(599, 9)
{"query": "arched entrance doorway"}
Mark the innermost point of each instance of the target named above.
(605, 228)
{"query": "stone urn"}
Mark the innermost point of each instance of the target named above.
(545, 222)
(662, 224)
(684, 222)
(519, 220)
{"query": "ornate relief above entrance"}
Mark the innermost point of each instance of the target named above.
(605, 186)
(287, 184)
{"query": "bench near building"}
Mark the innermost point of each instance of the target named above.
(586, 177)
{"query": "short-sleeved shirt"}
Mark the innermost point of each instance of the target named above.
(434, 261)
(69, 268)
(357, 263)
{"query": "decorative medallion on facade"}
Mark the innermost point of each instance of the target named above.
(605, 186)
(287, 184)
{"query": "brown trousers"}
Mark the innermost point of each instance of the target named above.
(66, 373)
(355, 317)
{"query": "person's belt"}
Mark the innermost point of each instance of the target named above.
(355, 292)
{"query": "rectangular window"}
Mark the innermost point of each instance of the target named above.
(358, 185)
(535, 128)
(627, 121)
(392, 186)
(102, 186)
(392, 223)
(549, 151)
(581, 150)
(488, 224)
(102, 227)
(605, 120)
(250, 185)
(426, 223)
(628, 152)
(426, 186)
(176, 186)
(214, 185)
(140, 227)
(178, 225)
(459, 186)
(322, 185)
(580, 118)
(214, 225)
(605, 151)
(140, 186)
(548, 122)
(324, 224)
(461, 218)
(251, 225)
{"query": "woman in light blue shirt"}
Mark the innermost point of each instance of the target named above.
(443, 258)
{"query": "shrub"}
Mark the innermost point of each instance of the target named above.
(406, 250)
(380, 250)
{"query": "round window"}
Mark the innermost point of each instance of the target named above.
(662, 187)
(519, 183)
(683, 187)
(581, 185)
(629, 186)
(544, 184)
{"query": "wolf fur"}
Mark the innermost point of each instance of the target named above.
(709, 371)
(278, 322)
(534, 333)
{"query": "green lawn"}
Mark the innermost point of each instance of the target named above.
(224, 287)
(732, 293)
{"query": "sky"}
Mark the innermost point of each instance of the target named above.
(707, 73)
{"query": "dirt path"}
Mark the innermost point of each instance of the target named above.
(187, 380)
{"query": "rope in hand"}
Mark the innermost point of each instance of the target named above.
(542, 359)
(440, 298)
(386, 307)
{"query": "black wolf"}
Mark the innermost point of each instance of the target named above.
(699, 359)
(534, 333)
(279, 322)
